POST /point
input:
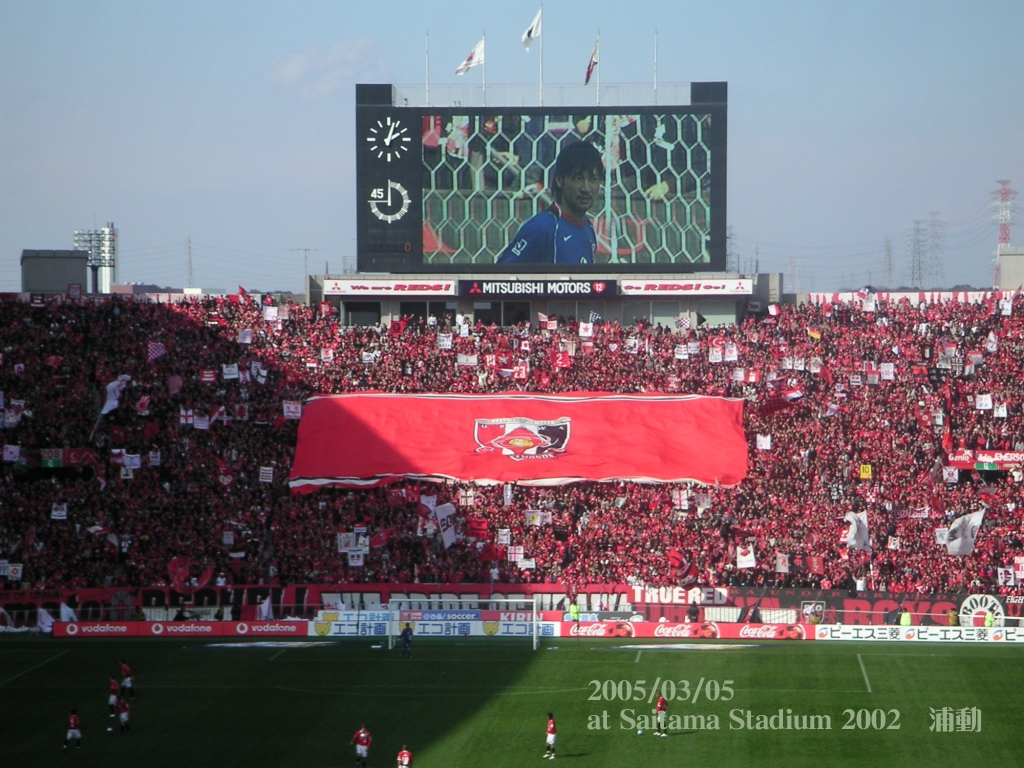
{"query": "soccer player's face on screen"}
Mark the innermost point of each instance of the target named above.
(579, 190)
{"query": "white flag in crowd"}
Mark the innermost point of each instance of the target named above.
(859, 535)
(355, 558)
(114, 390)
(504, 537)
(292, 409)
(445, 514)
(781, 563)
(245, 336)
(266, 474)
(745, 557)
(764, 442)
(12, 452)
(59, 512)
(444, 341)
(230, 372)
(963, 533)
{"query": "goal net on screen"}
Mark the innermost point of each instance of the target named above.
(452, 618)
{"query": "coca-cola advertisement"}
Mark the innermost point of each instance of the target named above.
(702, 630)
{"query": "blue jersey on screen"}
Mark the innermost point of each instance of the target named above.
(552, 238)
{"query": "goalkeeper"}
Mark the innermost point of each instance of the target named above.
(563, 234)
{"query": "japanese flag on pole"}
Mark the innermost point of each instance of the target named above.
(745, 557)
(475, 58)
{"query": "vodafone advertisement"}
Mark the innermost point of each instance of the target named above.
(180, 629)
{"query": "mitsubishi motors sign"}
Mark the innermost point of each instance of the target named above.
(654, 287)
(425, 287)
(583, 289)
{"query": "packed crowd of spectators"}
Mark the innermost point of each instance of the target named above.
(847, 433)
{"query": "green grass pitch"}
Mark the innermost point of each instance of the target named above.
(482, 702)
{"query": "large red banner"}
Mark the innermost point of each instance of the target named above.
(372, 439)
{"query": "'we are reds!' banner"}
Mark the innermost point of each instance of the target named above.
(373, 439)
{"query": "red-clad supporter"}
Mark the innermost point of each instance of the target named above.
(846, 411)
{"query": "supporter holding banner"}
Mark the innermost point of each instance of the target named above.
(445, 514)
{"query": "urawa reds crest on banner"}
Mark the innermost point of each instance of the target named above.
(520, 438)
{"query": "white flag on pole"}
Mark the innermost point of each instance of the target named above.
(532, 32)
(963, 532)
(476, 56)
(859, 535)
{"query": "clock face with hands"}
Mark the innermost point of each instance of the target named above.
(389, 139)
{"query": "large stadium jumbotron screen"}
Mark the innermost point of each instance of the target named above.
(533, 190)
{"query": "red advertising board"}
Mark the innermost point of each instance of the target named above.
(377, 438)
(705, 630)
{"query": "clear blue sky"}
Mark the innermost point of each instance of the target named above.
(232, 122)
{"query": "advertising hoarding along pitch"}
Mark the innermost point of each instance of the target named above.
(373, 439)
(529, 190)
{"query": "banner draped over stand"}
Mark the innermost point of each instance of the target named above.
(367, 440)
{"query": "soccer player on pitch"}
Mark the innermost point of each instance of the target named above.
(407, 640)
(362, 740)
(404, 757)
(124, 710)
(114, 689)
(74, 730)
(662, 714)
(549, 751)
(126, 679)
(563, 234)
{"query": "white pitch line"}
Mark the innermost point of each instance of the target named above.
(37, 666)
(862, 669)
(638, 657)
(278, 654)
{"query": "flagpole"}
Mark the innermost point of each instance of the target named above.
(655, 66)
(428, 70)
(483, 66)
(599, 67)
(541, 92)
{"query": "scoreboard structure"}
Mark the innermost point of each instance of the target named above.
(446, 189)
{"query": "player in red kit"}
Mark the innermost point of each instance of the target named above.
(124, 710)
(114, 689)
(404, 757)
(126, 679)
(362, 740)
(549, 751)
(74, 730)
(661, 713)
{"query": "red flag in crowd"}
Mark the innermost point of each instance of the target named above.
(177, 569)
(381, 538)
(53, 361)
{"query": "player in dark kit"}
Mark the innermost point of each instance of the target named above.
(563, 234)
(407, 640)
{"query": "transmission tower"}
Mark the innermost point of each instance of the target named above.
(188, 262)
(917, 245)
(1004, 216)
(936, 247)
(1004, 212)
(732, 259)
(887, 263)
